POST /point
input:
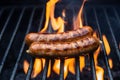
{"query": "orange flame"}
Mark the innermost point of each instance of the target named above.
(56, 67)
(100, 73)
(107, 46)
(78, 21)
(82, 62)
(110, 63)
(99, 70)
(72, 65)
(97, 51)
(37, 68)
(57, 23)
(25, 66)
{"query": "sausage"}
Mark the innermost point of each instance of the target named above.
(64, 49)
(59, 37)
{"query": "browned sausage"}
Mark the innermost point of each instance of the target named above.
(64, 49)
(65, 36)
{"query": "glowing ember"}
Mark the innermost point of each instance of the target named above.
(107, 46)
(25, 66)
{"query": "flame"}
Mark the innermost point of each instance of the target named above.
(37, 68)
(72, 65)
(110, 63)
(57, 23)
(99, 70)
(49, 69)
(82, 62)
(107, 46)
(25, 66)
(100, 73)
(78, 21)
(56, 67)
(97, 51)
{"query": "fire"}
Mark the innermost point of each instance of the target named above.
(100, 73)
(49, 69)
(110, 63)
(56, 67)
(108, 49)
(82, 62)
(57, 23)
(107, 46)
(78, 20)
(72, 65)
(25, 66)
(99, 70)
(37, 68)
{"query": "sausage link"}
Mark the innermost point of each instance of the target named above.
(59, 37)
(64, 49)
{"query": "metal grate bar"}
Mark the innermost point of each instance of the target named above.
(113, 37)
(22, 47)
(45, 69)
(91, 54)
(77, 69)
(11, 40)
(4, 27)
(30, 69)
(103, 47)
(62, 61)
(93, 66)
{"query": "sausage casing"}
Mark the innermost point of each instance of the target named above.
(64, 49)
(59, 37)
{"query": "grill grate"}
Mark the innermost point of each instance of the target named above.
(8, 48)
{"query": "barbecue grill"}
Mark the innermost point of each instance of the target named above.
(18, 20)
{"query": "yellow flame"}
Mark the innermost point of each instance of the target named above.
(100, 73)
(82, 62)
(107, 46)
(99, 70)
(57, 23)
(78, 21)
(56, 67)
(25, 66)
(110, 63)
(49, 69)
(37, 67)
(72, 65)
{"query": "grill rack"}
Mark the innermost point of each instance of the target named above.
(61, 76)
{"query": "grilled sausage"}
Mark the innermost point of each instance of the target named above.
(64, 49)
(65, 36)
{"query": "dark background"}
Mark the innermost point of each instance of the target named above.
(40, 2)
